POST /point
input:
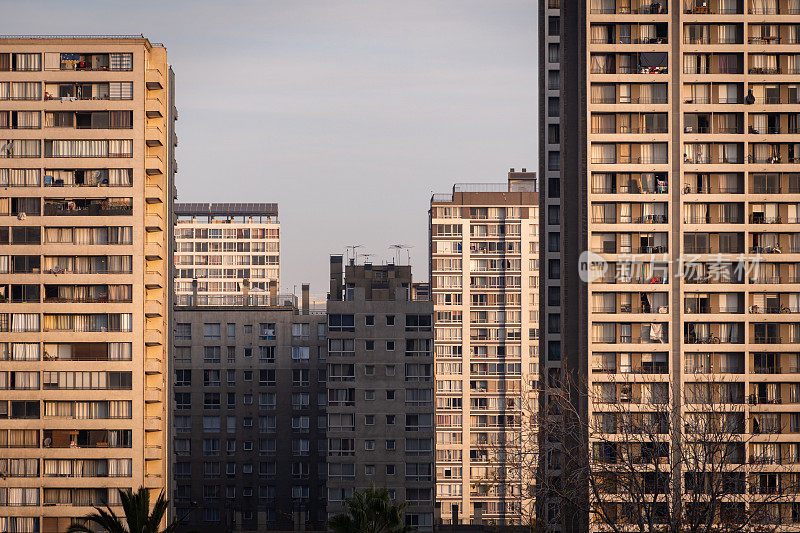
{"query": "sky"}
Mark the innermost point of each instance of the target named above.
(348, 114)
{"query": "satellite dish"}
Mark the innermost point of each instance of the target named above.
(47, 442)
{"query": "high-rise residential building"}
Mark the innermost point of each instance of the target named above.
(380, 388)
(676, 163)
(484, 261)
(86, 170)
(250, 415)
(225, 250)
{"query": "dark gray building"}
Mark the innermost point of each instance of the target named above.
(249, 419)
(380, 388)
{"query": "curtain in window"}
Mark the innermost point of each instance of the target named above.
(729, 153)
(120, 61)
(599, 33)
(29, 119)
(120, 90)
(726, 33)
(25, 322)
(5, 93)
(695, 213)
(120, 148)
(25, 351)
(120, 177)
(28, 61)
(26, 90)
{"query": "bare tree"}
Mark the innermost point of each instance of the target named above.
(646, 463)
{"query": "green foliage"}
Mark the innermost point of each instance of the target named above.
(138, 516)
(371, 511)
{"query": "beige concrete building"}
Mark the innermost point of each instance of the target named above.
(681, 164)
(380, 388)
(86, 188)
(250, 415)
(484, 253)
(226, 249)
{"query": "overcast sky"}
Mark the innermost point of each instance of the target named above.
(347, 113)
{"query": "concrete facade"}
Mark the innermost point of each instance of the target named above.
(684, 114)
(380, 388)
(484, 252)
(250, 417)
(86, 179)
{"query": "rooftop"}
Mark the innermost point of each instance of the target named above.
(226, 209)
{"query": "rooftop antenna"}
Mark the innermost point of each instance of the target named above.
(397, 250)
(352, 252)
(365, 256)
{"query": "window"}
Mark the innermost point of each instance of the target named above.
(248, 329)
(300, 377)
(369, 445)
(266, 354)
(211, 514)
(211, 400)
(418, 322)
(369, 320)
(341, 323)
(390, 470)
(248, 375)
(369, 370)
(230, 469)
(369, 394)
(211, 378)
(390, 420)
(211, 332)
(183, 377)
(390, 320)
(183, 332)
(369, 470)
(183, 400)
(300, 400)
(369, 345)
(301, 331)
(266, 400)
(267, 331)
(211, 424)
(389, 346)
(300, 353)
(211, 354)
(390, 394)
(266, 377)
(369, 420)
(391, 445)
(210, 447)
(230, 332)
(390, 370)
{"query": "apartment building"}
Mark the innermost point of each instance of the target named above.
(250, 415)
(226, 249)
(484, 261)
(380, 388)
(86, 190)
(680, 170)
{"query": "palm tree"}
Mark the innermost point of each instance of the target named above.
(370, 511)
(138, 516)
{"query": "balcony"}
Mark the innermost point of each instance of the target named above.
(153, 395)
(153, 193)
(153, 222)
(153, 279)
(153, 251)
(153, 423)
(154, 79)
(153, 365)
(153, 108)
(153, 337)
(153, 165)
(153, 452)
(153, 308)
(152, 136)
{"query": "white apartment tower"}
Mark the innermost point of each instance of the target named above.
(484, 254)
